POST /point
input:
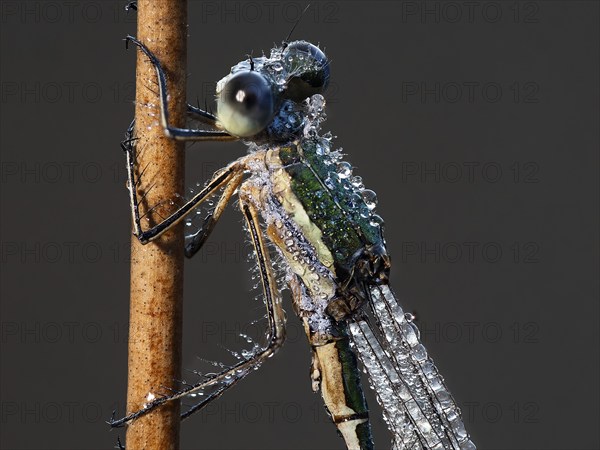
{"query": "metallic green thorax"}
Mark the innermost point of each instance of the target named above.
(333, 200)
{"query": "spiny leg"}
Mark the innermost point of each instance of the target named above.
(233, 172)
(201, 115)
(196, 241)
(193, 111)
(275, 312)
(275, 338)
(275, 315)
(181, 134)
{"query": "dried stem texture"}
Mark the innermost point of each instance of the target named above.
(157, 268)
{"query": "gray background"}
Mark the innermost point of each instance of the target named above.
(515, 333)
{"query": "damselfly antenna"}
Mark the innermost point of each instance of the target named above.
(287, 39)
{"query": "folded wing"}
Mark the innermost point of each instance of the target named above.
(417, 406)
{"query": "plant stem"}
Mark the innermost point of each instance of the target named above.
(157, 268)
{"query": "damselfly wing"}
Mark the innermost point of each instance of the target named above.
(296, 192)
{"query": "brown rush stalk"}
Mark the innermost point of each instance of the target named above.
(157, 268)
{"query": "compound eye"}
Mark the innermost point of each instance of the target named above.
(245, 105)
(309, 69)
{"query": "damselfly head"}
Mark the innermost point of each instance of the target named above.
(266, 94)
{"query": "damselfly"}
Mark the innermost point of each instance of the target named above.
(307, 214)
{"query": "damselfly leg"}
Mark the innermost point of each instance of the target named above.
(180, 134)
(195, 241)
(218, 383)
(228, 178)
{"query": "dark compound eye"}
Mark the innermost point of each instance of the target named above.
(245, 105)
(309, 70)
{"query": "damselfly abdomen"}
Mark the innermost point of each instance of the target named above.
(297, 193)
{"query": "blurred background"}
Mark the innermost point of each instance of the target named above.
(475, 123)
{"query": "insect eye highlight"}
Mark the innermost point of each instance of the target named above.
(245, 105)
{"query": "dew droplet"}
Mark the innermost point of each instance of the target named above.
(376, 220)
(370, 198)
(322, 149)
(357, 182)
(344, 169)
